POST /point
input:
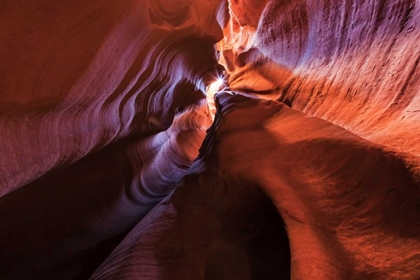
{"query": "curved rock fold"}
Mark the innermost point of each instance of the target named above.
(114, 165)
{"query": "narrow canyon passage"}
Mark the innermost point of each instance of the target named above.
(301, 163)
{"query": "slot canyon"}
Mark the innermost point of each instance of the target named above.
(210, 139)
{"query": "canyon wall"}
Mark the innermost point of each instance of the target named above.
(353, 63)
(102, 112)
(113, 168)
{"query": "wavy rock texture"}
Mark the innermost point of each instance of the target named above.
(116, 90)
(350, 206)
(103, 114)
(208, 229)
(353, 63)
(68, 92)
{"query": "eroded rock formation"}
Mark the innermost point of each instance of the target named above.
(352, 63)
(113, 168)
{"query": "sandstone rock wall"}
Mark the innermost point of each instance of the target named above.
(107, 170)
(353, 63)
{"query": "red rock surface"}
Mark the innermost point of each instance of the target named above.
(355, 64)
(103, 112)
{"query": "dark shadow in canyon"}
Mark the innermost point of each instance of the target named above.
(48, 226)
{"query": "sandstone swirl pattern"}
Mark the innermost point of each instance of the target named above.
(116, 92)
(112, 166)
(353, 63)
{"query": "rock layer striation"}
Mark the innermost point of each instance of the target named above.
(113, 166)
